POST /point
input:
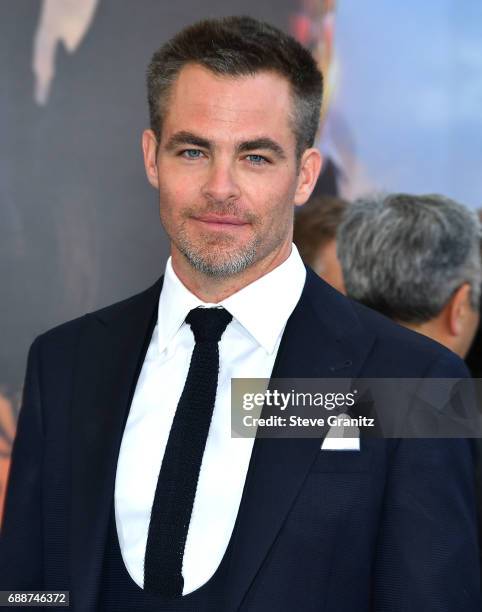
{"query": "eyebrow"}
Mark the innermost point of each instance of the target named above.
(264, 143)
(189, 138)
(185, 138)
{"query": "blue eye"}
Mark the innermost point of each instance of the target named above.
(192, 153)
(257, 160)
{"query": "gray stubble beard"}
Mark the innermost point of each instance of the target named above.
(235, 264)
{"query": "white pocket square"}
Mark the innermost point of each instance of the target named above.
(341, 444)
(341, 438)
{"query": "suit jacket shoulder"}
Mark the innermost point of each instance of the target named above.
(67, 334)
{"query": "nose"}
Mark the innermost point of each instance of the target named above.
(221, 184)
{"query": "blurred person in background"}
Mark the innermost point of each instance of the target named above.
(313, 25)
(315, 229)
(343, 173)
(415, 259)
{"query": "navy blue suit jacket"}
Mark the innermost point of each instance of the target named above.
(389, 528)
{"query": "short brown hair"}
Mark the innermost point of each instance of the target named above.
(239, 46)
(316, 224)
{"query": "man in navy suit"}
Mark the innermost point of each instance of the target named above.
(277, 525)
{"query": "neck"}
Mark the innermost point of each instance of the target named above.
(215, 289)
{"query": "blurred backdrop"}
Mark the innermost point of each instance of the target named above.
(78, 223)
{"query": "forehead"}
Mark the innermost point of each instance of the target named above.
(225, 107)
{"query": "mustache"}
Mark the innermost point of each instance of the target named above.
(227, 209)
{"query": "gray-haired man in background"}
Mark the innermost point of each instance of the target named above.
(415, 259)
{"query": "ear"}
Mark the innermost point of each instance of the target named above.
(149, 148)
(310, 166)
(458, 309)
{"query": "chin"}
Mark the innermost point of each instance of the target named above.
(222, 266)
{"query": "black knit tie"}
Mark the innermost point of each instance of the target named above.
(178, 477)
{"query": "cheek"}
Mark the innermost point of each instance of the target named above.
(273, 197)
(175, 187)
(174, 197)
(279, 205)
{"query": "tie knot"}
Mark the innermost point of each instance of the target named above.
(208, 324)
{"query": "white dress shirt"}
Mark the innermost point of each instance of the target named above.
(247, 349)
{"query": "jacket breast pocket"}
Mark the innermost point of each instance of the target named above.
(343, 461)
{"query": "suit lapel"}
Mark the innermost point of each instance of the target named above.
(323, 338)
(111, 352)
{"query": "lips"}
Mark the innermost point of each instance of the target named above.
(220, 220)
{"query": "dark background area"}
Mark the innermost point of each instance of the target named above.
(79, 224)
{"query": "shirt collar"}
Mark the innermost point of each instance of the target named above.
(262, 307)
